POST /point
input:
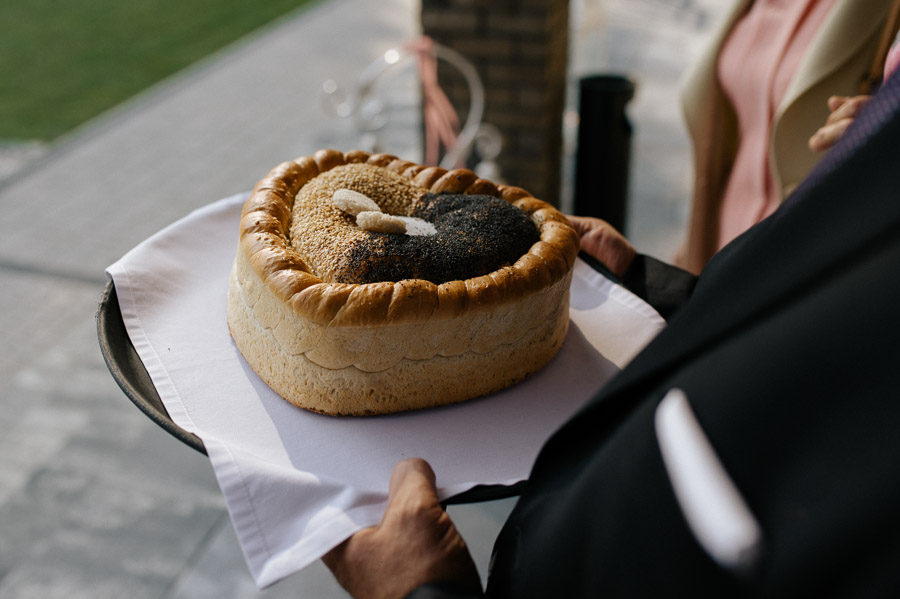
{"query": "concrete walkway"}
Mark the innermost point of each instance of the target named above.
(95, 500)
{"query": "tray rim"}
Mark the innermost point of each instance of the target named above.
(128, 370)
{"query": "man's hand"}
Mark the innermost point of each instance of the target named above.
(843, 110)
(415, 543)
(603, 242)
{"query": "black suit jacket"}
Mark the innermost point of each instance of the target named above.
(789, 354)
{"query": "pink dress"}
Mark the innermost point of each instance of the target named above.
(756, 65)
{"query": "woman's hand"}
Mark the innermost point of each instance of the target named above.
(843, 110)
(416, 543)
(605, 243)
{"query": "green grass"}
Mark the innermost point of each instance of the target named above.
(63, 62)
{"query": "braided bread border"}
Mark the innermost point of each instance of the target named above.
(265, 223)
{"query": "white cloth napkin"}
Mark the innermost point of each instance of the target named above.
(298, 483)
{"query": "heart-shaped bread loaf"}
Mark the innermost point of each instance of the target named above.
(467, 295)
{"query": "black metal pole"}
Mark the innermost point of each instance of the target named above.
(603, 157)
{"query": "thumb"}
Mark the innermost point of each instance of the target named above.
(412, 485)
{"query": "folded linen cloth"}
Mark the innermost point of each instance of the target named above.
(297, 483)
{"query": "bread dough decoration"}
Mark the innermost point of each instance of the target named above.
(353, 202)
(379, 222)
(345, 317)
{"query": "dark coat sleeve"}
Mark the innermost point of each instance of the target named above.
(663, 286)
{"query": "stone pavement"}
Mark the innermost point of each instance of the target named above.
(95, 500)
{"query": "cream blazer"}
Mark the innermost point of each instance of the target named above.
(838, 58)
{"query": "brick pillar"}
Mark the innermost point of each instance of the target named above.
(520, 48)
